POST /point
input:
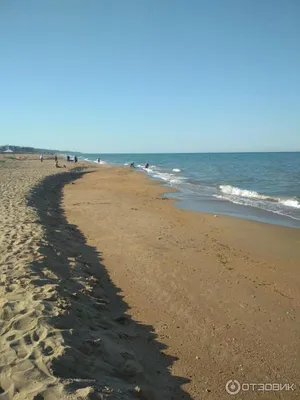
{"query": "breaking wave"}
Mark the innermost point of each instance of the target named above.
(233, 193)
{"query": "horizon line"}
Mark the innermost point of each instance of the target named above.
(190, 152)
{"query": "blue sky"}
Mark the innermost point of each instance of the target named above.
(150, 75)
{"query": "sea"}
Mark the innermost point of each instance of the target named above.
(259, 186)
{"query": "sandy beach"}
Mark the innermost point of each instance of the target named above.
(108, 291)
(221, 294)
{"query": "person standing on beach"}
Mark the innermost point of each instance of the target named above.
(55, 158)
(42, 157)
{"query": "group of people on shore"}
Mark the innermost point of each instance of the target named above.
(75, 159)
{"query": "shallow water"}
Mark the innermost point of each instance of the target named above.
(259, 186)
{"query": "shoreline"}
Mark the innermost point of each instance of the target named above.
(213, 204)
(215, 289)
(254, 214)
(257, 216)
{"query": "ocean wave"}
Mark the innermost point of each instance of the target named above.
(231, 190)
(142, 166)
(176, 170)
(171, 178)
(290, 203)
(100, 162)
(149, 170)
(263, 205)
(163, 176)
(234, 193)
(178, 181)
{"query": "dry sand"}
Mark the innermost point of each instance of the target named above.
(30, 341)
(58, 338)
(110, 292)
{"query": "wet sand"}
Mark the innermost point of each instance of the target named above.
(107, 291)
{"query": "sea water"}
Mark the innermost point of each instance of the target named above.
(259, 186)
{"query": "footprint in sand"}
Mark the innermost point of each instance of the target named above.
(25, 323)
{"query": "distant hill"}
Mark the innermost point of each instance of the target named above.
(28, 150)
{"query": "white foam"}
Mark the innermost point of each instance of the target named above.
(176, 170)
(145, 169)
(237, 200)
(163, 176)
(290, 203)
(100, 162)
(227, 189)
(234, 193)
(263, 205)
(176, 180)
(169, 177)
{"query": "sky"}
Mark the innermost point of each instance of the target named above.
(126, 76)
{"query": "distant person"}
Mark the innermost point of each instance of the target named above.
(68, 158)
(147, 166)
(42, 157)
(98, 160)
(132, 165)
(75, 159)
(55, 158)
